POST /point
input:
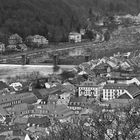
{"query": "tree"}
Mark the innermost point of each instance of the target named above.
(111, 7)
(67, 74)
(61, 22)
(107, 36)
(90, 35)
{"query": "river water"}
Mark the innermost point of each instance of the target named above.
(9, 70)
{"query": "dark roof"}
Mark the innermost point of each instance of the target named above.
(131, 62)
(102, 66)
(43, 93)
(133, 90)
(78, 101)
(115, 86)
(89, 84)
(22, 107)
(120, 102)
(124, 96)
(39, 121)
(27, 96)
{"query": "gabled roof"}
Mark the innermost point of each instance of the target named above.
(102, 66)
(131, 62)
(133, 90)
(78, 101)
(89, 84)
(43, 93)
(22, 107)
(25, 97)
(15, 36)
(27, 137)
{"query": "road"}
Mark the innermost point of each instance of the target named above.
(51, 48)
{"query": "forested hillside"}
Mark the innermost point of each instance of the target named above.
(27, 17)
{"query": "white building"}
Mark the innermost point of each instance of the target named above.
(17, 86)
(89, 88)
(75, 37)
(37, 39)
(15, 39)
(113, 90)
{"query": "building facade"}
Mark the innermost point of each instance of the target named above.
(75, 37)
(89, 88)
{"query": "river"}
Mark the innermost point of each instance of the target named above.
(9, 70)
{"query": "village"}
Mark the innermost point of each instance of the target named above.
(34, 106)
(30, 107)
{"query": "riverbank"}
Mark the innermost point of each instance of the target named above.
(12, 70)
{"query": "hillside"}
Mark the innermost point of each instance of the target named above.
(27, 17)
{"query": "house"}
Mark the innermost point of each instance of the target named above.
(27, 137)
(22, 47)
(15, 39)
(74, 37)
(17, 86)
(102, 68)
(4, 88)
(113, 90)
(10, 100)
(112, 63)
(78, 103)
(62, 112)
(45, 93)
(21, 109)
(117, 103)
(82, 31)
(41, 110)
(64, 98)
(39, 121)
(132, 92)
(135, 80)
(37, 39)
(123, 91)
(11, 47)
(2, 47)
(3, 114)
(89, 88)
(68, 87)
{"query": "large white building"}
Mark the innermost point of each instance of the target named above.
(89, 88)
(124, 91)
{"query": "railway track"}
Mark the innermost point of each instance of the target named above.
(50, 49)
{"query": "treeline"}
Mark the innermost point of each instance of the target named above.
(55, 19)
(122, 123)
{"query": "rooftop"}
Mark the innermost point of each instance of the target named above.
(115, 86)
